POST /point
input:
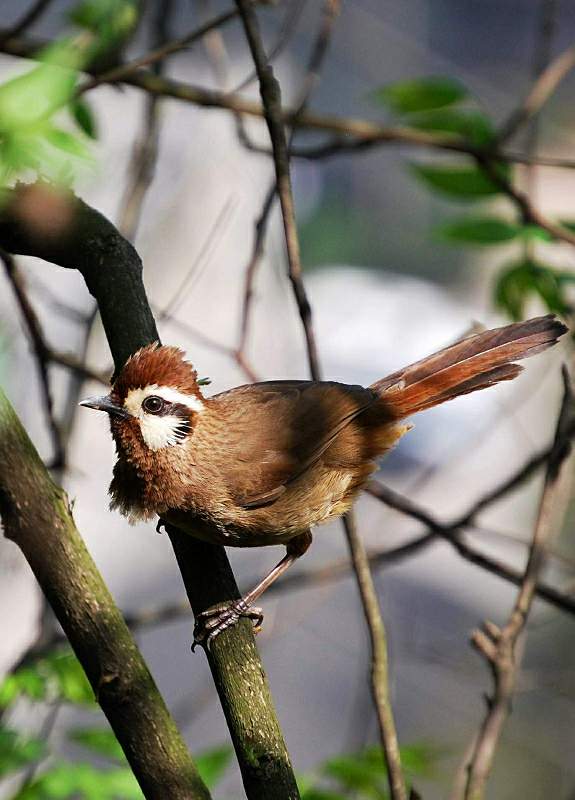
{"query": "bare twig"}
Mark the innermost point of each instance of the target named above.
(145, 155)
(42, 355)
(498, 645)
(379, 667)
(540, 92)
(272, 109)
(271, 100)
(121, 72)
(528, 212)
(330, 12)
(26, 21)
(288, 26)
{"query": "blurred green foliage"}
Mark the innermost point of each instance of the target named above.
(337, 234)
(445, 106)
(363, 775)
(45, 128)
(57, 680)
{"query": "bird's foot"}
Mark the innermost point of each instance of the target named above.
(160, 524)
(214, 620)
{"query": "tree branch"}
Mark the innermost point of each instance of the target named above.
(272, 109)
(379, 665)
(113, 273)
(37, 517)
(42, 356)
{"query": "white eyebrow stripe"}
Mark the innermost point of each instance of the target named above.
(135, 398)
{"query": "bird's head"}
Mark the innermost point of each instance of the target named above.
(154, 401)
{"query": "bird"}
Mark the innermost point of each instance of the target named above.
(264, 463)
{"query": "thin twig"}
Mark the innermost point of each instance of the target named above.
(158, 54)
(271, 100)
(330, 12)
(26, 21)
(499, 645)
(42, 356)
(379, 666)
(528, 212)
(545, 85)
(287, 29)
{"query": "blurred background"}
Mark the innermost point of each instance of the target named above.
(391, 278)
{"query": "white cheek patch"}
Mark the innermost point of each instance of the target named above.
(135, 398)
(159, 432)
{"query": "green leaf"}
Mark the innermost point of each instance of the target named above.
(67, 142)
(321, 794)
(121, 783)
(512, 288)
(57, 676)
(17, 751)
(478, 231)
(522, 279)
(462, 183)
(536, 233)
(549, 285)
(473, 126)
(356, 773)
(67, 677)
(105, 16)
(71, 781)
(25, 681)
(31, 98)
(84, 117)
(99, 740)
(212, 764)
(423, 94)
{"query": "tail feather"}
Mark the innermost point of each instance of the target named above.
(473, 363)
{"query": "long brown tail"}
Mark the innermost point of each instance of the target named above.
(474, 363)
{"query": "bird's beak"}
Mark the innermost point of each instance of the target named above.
(106, 404)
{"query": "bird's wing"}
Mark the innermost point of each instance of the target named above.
(282, 428)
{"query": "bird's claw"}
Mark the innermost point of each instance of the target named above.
(214, 620)
(160, 524)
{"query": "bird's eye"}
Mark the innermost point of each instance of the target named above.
(153, 404)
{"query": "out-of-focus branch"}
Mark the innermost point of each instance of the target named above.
(330, 12)
(527, 210)
(271, 99)
(42, 355)
(272, 110)
(159, 54)
(145, 153)
(36, 516)
(499, 645)
(545, 85)
(379, 666)
(26, 21)
(292, 16)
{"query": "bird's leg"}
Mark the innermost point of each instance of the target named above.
(214, 620)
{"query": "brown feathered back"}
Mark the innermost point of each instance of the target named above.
(473, 363)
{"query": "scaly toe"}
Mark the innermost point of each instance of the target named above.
(214, 620)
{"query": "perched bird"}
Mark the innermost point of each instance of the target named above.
(263, 463)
